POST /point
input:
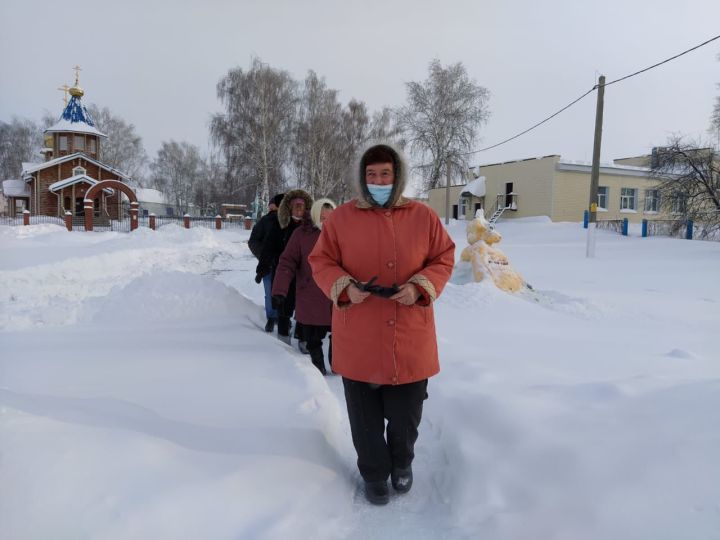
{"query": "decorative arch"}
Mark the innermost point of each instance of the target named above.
(113, 184)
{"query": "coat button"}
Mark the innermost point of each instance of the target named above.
(388, 214)
(391, 322)
(394, 379)
(390, 264)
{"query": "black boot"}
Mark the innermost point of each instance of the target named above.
(402, 479)
(377, 492)
(270, 325)
(318, 360)
(283, 324)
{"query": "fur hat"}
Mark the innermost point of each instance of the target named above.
(284, 208)
(400, 167)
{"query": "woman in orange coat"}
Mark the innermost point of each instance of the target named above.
(383, 259)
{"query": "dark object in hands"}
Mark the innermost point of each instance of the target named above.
(377, 290)
(277, 301)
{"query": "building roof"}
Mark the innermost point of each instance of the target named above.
(57, 186)
(29, 168)
(76, 119)
(15, 188)
(149, 195)
(476, 187)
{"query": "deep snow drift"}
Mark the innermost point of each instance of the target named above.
(139, 397)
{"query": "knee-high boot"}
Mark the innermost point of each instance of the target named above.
(318, 359)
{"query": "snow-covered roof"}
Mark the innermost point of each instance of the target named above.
(476, 187)
(75, 118)
(606, 168)
(57, 186)
(29, 168)
(15, 188)
(603, 165)
(148, 195)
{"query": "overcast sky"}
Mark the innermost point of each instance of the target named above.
(157, 63)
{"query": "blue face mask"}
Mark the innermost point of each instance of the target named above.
(381, 194)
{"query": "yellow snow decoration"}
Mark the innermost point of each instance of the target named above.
(487, 260)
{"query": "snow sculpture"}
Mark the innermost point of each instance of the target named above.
(487, 260)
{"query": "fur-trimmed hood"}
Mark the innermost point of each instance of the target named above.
(365, 200)
(284, 208)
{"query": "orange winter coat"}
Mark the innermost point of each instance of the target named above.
(379, 340)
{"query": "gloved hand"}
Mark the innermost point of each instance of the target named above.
(277, 301)
(377, 290)
(260, 272)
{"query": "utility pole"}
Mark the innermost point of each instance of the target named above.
(447, 190)
(595, 174)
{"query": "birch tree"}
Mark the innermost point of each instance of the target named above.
(254, 132)
(442, 119)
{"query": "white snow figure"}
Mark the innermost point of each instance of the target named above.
(487, 260)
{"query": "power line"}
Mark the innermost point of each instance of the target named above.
(663, 62)
(588, 92)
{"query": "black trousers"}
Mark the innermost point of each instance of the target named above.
(369, 405)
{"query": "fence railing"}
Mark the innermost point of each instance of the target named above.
(615, 225)
(124, 224)
(675, 228)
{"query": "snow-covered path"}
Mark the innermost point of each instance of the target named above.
(139, 397)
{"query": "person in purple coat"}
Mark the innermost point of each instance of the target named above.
(313, 310)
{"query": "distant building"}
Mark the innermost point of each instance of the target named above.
(554, 187)
(154, 201)
(72, 166)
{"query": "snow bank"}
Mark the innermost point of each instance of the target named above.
(139, 396)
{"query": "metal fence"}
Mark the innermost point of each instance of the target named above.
(615, 225)
(675, 228)
(34, 220)
(123, 225)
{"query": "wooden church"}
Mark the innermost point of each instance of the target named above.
(73, 164)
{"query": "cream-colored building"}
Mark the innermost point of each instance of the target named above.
(554, 187)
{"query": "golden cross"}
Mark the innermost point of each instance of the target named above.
(65, 89)
(77, 69)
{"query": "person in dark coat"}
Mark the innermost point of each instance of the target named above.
(313, 310)
(259, 233)
(291, 212)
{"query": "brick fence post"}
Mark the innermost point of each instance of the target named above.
(152, 221)
(134, 206)
(248, 223)
(186, 221)
(68, 220)
(26, 217)
(89, 209)
(218, 222)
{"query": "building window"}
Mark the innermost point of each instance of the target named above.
(63, 144)
(463, 206)
(627, 199)
(652, 200)
(144, 212)
(602, 197)
(92, 146)
(679, 204)
(79, 142)
(169, 211)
